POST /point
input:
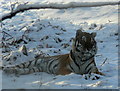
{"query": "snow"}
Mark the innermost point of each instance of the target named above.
(49, 32)
(20, 7)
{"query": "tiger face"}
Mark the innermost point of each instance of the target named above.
(84, 44)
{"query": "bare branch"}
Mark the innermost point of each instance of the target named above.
(7, 34)
(12, 6)
(24, 7)
(103, 62)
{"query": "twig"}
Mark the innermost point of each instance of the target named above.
(103, 62)
(7, 34)
(41, 83)
(21, 28)
(1, 24)
(12, 6)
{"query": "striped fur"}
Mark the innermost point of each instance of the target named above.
(80, 60)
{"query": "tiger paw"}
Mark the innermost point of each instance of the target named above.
(94, 77)
(86, 76)
(91, 76)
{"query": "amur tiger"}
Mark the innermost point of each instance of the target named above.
(80, 60)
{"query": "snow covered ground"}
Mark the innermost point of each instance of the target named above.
(49, 32)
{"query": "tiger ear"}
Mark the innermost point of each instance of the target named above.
(94, 34)
(79, 31)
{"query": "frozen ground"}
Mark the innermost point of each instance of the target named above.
(49, 32)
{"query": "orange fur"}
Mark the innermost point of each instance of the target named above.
(64, 61)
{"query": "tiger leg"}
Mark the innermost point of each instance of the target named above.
(63, 71)
(94, 74)
(99, 73)
(96, 71)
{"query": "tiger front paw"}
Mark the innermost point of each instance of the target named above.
(91, 76)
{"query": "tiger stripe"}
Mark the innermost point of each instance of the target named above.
(51, 63)
(89, 70)
(29, 64)
(88, 64)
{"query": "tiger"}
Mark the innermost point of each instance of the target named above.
(80, 59)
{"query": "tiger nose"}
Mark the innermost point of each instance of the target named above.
(88, 49)
(82, 52)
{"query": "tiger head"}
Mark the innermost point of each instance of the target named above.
(84, 44)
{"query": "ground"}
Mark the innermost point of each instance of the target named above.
(49, 32)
